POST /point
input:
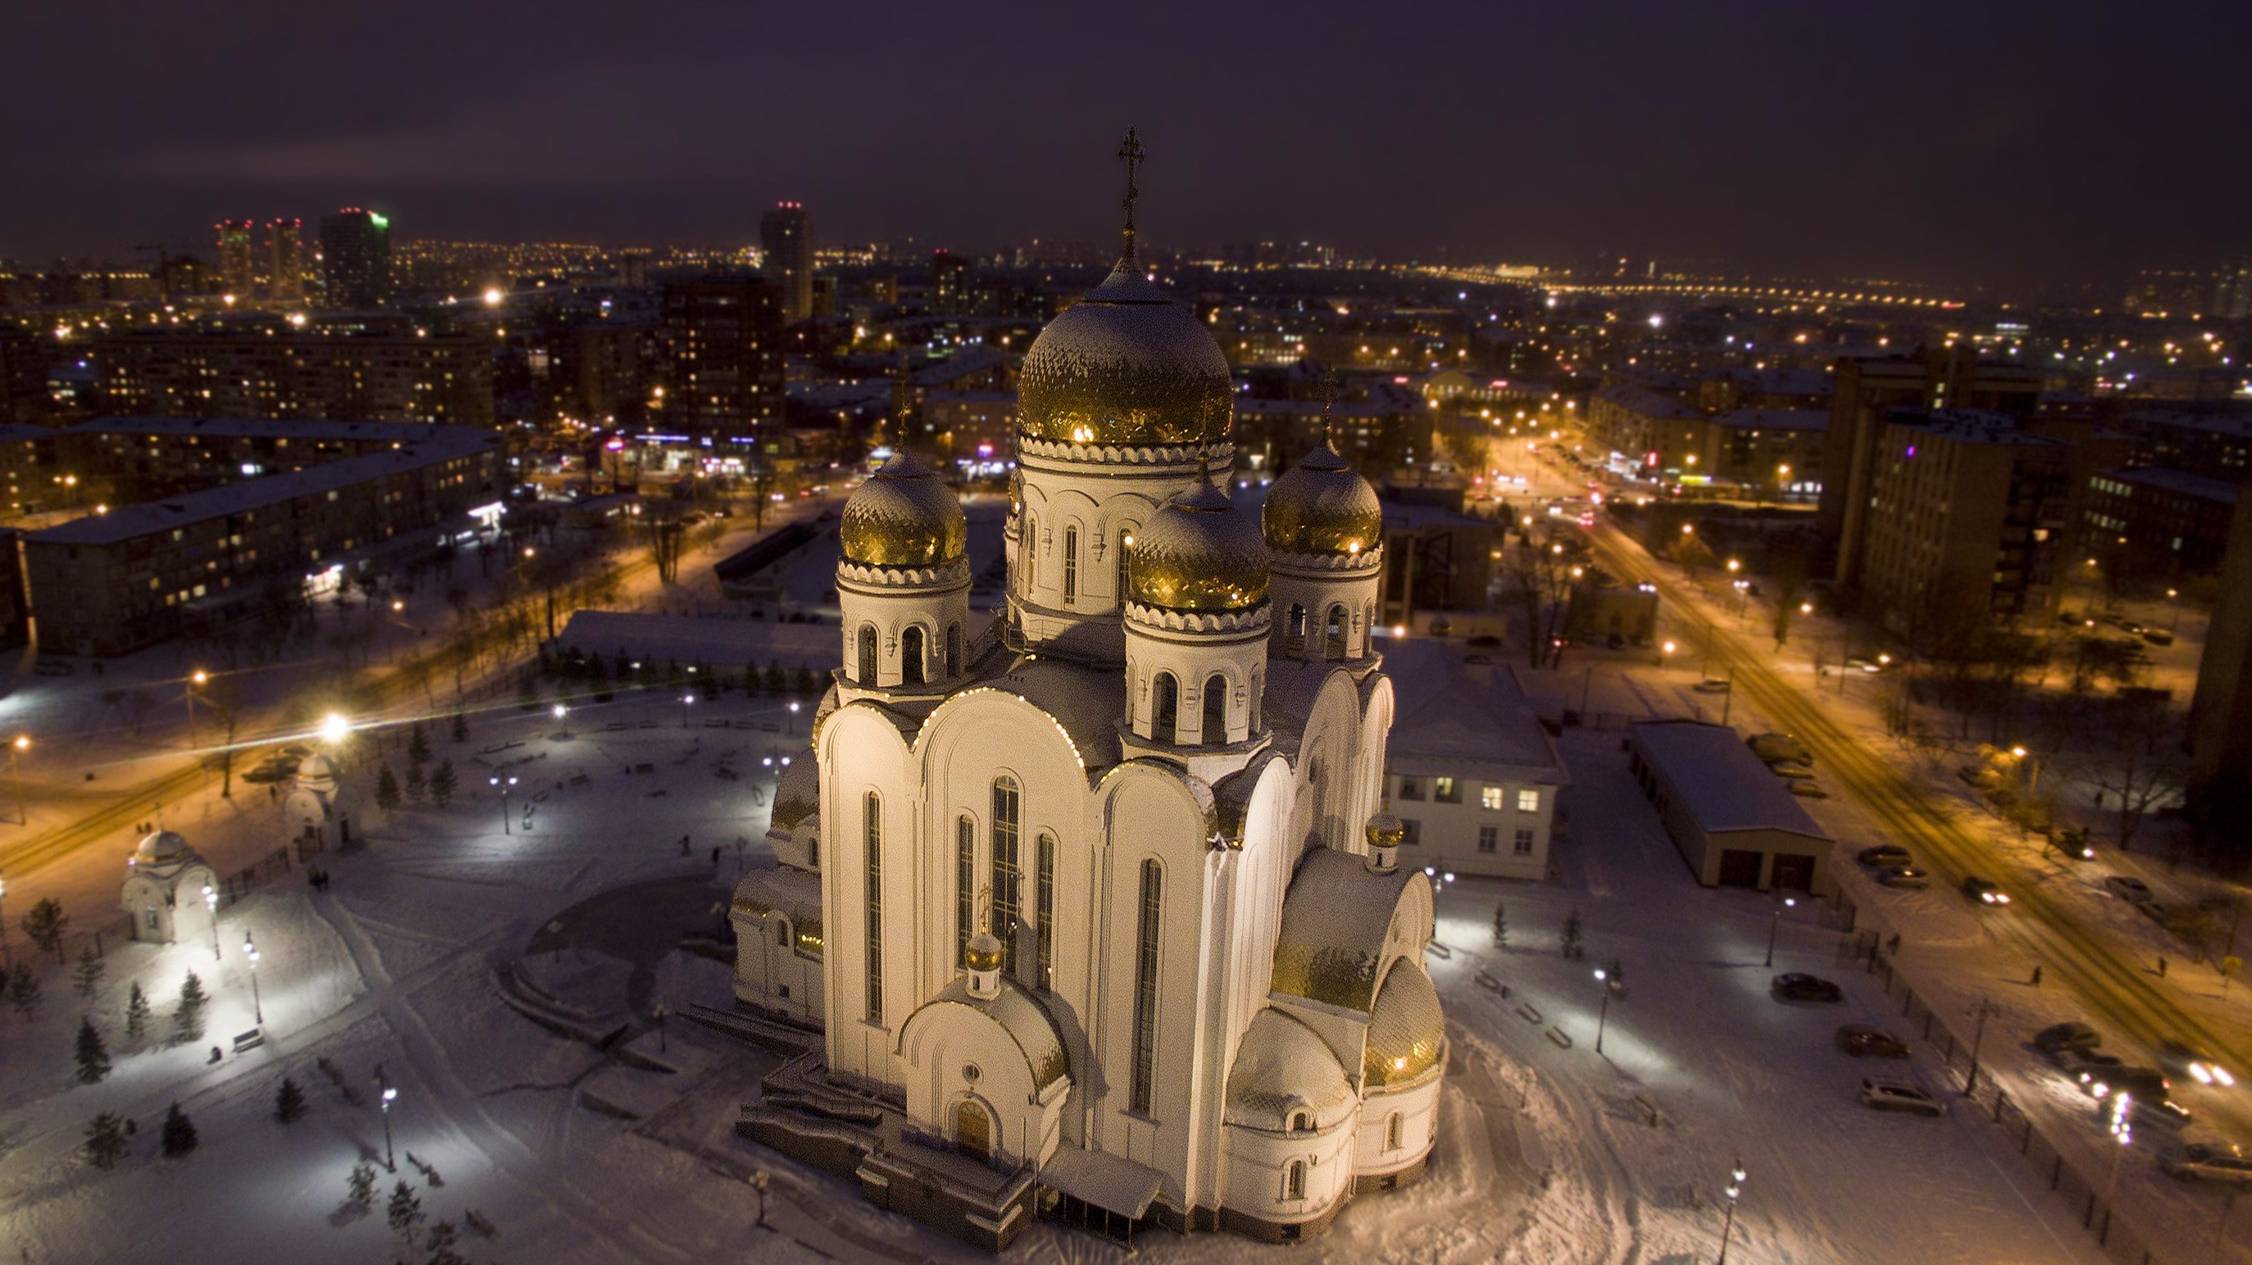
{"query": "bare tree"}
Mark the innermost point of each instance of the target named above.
(2136, 759)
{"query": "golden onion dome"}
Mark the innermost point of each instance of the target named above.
(1407, 1031)
(1385, 831)
(1321, 506)
(984, 952)
(1198, 553)
(1127, 366)
(903, 516)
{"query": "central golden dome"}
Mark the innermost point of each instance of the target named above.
(1321, 506)
(903, 516)
(1125, 366)
(1198, 553)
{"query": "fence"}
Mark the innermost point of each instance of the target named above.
(2090, 1197)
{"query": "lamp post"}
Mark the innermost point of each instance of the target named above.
(1734, 1192)
(1978, 1036)
(211, 906)
(503, 785)
(335, 728)
(385, 1096)
(686, 701)
(1776, 924)
(16, 748)
(1666, 651)
(560, 712)
(2122, 1130)
(257, 1003)
(1603, 1012)
(790, 726)
(2174, 616)
(196, 681)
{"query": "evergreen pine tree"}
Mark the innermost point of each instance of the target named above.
(809, 683)
(23, 989)
(44, 926)
(1501, 926)
(386, 789)
(418, 745)
(362, 1184)
(442, 783)
(441, 1243)
(105, 1140)
(1568, 940)
(178, 1137)
(405, 1214)
(777, 681)
(136, 1013)
(750, 679)
(289, 1102)
(87, 975)
(187, 1021)
(461, 727)
(93, 1056)
(417, 784)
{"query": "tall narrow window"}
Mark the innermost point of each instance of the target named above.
(1295, 1186)
(1165, 707)
(866, 673)
(1028, 552)
(1294, 628)
(1044, 905)
(953, 650)
(1125, 551)
(1334, 633)
(1392, 1132)
(965, 886)
(1070, 564)
(1007, 805)
(911, 655)
(1145, 987)
(872, 836)
(1215, 710)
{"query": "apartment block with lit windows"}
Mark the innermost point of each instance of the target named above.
(391, 372)
(1470, 773)
(722, 339)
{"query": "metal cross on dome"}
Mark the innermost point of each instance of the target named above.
(1132, 153)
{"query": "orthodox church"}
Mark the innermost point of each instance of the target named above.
(1095, 907)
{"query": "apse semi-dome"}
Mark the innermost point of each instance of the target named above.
(1198, 553)
(1125, 366)
(903, 516)
(1321, 506)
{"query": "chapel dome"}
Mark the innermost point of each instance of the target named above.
(161, 847)
(1407, 1032)
(903, 516)
(1126, 366)
(316, 771)
(1322, 506)
(1198, 553)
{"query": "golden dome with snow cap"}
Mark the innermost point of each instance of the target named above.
(1407, 1032)
(1321, 505)
(1198, 553)
(903, 516)
(1125, 366)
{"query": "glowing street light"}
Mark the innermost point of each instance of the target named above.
(790, 726)
(257, 1004)
(1603, 1013)
(20, 744)
(686, 701)
(211, 907)
(493, 296)
(335, 729)
(1734, 1192)
(560, 712)
(387, 1094)
(1775, 925)
(196, 681)
(503, 785)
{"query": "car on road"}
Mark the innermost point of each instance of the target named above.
(2145, 1083)
(2066, 1036)
(1798, 986)
(1904, 876)
(1985, 891)
(1892, 1095)
(1776, 748)
(2208, 1162)
(2084, 1064)
(1807, 790)
(1860, 1040)
(2186, 1060)
(1791, 772)
(2158, 636)
(2129, 888)
(1713, 685)
(1883, 854)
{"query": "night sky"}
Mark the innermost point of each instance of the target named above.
(2020, 145)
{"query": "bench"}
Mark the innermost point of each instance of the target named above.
(250, 1040)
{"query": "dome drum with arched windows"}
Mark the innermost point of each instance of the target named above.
(903, 516)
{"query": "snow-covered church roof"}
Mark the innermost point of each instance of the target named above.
(1281, 1067)
(1335, 919)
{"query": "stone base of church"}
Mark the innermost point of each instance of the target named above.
(1282, 1231)
(1393, 1180)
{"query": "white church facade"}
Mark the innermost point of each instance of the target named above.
(1095, 906)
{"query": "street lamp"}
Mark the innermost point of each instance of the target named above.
(790, 726)
(387, 1095)
(211, 907)
(2122, 1130)
(196, 681)
(1775, 925)
(16, 748)
(257, 1003)
(335, 729)
(686, 701)
(1734, 1192)
(1665, 652)
(503, 785)
(560, 712)
(1603, 1014)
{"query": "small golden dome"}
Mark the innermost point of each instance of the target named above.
(1198, 553)
(903, 516)
(1127, 366)
(1321, 506)
(1407, 1031)
(985, 952)
(1386, 831)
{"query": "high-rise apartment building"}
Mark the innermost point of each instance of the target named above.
(786, 233)
(356, 257)
(237, 275)
(1867, 389)
(723, 346)
(950, 283)
(285, 259)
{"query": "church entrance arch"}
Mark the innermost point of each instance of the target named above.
(973, 1129)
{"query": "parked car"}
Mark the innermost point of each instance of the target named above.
(1775, 748)
(2083, 1064)
(1712, 685)
(1882, 855)
(1807, 790)
(1791, 772)
(1861, 1040)
(2158, 636)
(1904, 876)
(2128, 888)
(2185, 1060)
(1797, 986)
(2208, 1162)
(1891, 1095)
(2066, 1036)
(1985, 891)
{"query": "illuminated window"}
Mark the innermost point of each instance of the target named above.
(1044, 905)
(965, 886)
(1444, 790)
(1528, 800)
(1490, 799)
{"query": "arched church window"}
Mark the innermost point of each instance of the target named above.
(1294, 1185)
(1125, 552)
(865, 669)
(1008, 810)
(1215, 710)
(953, 650)
(1044, 904)
(1294, 628)
(911, 655)
(1144, 1083)
(965, 886)
(1392, 1132)
(1300, 1122)
(781, 933)
(1164, 707)
(1334, 634)
(1028, 551)
(1070, 564)
(872, 839)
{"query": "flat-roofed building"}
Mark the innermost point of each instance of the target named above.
(1736, 823)
(2157, 522)
(389, 371)
(1471, 774)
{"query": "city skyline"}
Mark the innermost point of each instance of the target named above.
(1712, 139)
